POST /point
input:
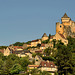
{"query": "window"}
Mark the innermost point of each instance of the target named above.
(42, 47)
(65, 41)
(51, 65)
(44, 64)
(60, 26)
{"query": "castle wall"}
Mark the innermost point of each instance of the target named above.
(65, 19)
(59, 28)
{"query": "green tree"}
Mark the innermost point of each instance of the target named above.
(1, 66)
(15, 69)
(3, 47)
(14, 58)
(24, 61)
(34, 54)
(18, 44)
(64, 59)
(49, 36)
(54, 42)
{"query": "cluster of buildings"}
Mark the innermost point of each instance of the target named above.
(42, 65)
(63, 30)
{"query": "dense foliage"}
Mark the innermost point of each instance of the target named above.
(18, 44)
(2, 47)
(12, 64)
(65, 57)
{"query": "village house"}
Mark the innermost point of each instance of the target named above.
(61, 37)
(2, 50)
(44, 37)
(38, 60)
(30, 67)
(8, 51)
(42, 47)
(48, 66)
(35, 42)
(23, 53)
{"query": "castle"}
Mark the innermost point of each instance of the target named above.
(64, 29)
(67, 27)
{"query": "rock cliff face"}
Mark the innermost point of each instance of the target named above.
(69, 31)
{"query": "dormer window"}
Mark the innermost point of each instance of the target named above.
(51, 65)
(44, 64)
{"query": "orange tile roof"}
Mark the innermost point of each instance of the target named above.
(39, 51)
(47, 64)
(42, 45)
(33, 65)
(18, 47)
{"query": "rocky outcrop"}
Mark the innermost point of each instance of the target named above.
(68, 31)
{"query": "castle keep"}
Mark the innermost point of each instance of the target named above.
(67, 27)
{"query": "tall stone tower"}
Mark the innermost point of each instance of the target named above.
(67, 27)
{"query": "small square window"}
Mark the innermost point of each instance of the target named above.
(60, 26)
(44, 64)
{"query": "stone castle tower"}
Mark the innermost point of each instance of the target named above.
(67, 26)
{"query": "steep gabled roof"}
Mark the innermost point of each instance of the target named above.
(65, 16)
(44, 35)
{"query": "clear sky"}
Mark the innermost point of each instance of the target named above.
(25, 20)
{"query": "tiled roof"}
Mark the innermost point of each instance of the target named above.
(39, 51)
(44, 35)
(2, 50)
(65, 16)
(18, 47)
(35, 40)
(51, 37)
(42, 45)
(21, 51)
(33, 65)
(47, 64)
(62, 36)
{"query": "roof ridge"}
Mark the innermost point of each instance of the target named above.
(65, 16)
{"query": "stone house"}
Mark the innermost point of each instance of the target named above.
(38, 60)
(16, 48)
(42, 47)
(44, 37)
(8, 51)
(23, 53)
(48, 66)
(35, 42)
(61, 37)
(32, 66)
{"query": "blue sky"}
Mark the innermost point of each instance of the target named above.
(25, 20)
